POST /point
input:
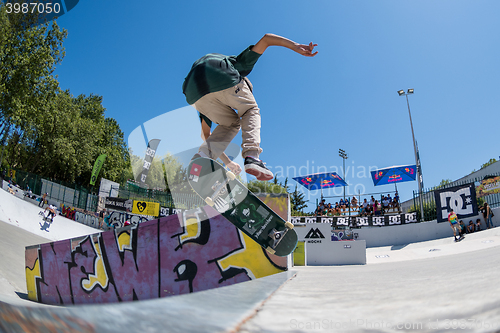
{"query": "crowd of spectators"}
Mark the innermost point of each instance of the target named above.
(371, 207)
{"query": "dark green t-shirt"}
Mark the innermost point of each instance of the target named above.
(215, 72)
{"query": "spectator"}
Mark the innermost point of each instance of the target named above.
(395, 201)
(364, 205)
(390, 199)
(385, 204)
(470, 227)
(478, 225)
(329, 209)
(463, 229)
(342, 204)
(487, 214)
(42, 202)
(372, 201)
(354, 202)
(376, 208)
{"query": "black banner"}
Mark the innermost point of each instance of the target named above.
(462, 199)
(124, 205)
(148, 159)
(357, 221)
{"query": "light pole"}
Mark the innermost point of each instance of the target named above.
(344, 156)
(417, 160)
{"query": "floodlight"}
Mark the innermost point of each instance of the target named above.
(401, 92)
(410, 91)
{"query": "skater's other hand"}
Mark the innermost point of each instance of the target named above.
(234, 167)
(306, 50)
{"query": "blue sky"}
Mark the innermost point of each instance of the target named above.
(136, 55)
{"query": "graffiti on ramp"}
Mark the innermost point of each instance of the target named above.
(173, 255)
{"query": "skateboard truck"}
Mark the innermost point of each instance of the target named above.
(219, 189)
(277, 236)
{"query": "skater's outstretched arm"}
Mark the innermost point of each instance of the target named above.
(275, 40)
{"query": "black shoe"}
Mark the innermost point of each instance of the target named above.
(258, 169)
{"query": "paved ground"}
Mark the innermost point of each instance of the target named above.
(428, 287)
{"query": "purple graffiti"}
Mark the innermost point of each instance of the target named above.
(172, 255)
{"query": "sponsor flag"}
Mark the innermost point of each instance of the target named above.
(148, 159)
(97, 168)
(462, 199)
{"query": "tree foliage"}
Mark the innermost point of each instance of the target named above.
(43, 129)
(490, 162)
(297, 201)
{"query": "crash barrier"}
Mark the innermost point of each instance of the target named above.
(321, 249)
(173, 255)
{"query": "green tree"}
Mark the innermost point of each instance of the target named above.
(258, 186)
(490, 162)
(28, 57)
(297, 201)
(443, 183)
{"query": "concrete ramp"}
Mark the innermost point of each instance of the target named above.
(216, 310)
(174, 255)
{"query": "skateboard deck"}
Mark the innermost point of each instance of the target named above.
(224, 192)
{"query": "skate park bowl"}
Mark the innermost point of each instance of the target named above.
(386, 291)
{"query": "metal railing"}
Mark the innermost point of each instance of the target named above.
(69, 194)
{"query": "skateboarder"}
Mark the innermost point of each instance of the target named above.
(52, 212)
(218, 88)
(452, 218)
(206, 131)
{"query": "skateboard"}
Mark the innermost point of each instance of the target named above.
(224, 192)
(460, 238)
(45, 218)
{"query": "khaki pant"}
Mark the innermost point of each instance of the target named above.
(232, 108)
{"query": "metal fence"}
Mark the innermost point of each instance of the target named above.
(429, 202)
(69, 194)
(165, 199)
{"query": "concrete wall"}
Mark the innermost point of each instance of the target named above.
(414, 232)
(169, 256)
(320, 250)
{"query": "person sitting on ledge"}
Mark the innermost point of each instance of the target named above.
(478, 225)
(470, 227)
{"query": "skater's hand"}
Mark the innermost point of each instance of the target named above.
(306, 50)
(234, 167)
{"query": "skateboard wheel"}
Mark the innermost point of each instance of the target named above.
(270, 250)
(209, 201)
(289, 225)
(230, 175)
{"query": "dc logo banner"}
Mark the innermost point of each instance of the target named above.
(462, 199)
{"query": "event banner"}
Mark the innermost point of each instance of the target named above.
(148, 159)
(146, 208)
(97, 168)
(123, 205)
(462, 199)
(488, 186)
(357, 221)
